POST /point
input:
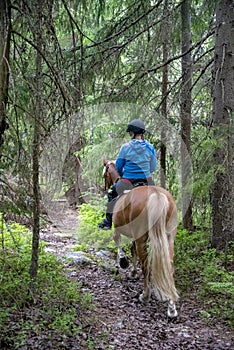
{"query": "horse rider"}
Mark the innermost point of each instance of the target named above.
(135, 163)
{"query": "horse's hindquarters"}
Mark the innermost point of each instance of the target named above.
(130, 214)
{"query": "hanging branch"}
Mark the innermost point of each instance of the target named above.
(55, 74)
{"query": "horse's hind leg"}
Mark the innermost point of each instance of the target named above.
(134, 260)
(171, 310)
(141, 248)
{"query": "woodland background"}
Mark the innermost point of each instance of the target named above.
(72, 75)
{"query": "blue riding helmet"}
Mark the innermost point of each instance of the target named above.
(137, 126)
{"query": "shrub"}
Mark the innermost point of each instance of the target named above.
(201, 270)
(88, 232)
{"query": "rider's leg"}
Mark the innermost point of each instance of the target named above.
(123, 185)
(117, 190)
(150, 182)
(106, 224)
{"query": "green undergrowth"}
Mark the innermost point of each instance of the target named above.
(207, 274)
(89, 234)
(56, 306)
(199, 270)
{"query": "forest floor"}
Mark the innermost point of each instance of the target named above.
(118, 321)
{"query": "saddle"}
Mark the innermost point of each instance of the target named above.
(140, 182)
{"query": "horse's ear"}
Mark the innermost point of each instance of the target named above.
(105, 162)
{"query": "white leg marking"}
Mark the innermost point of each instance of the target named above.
(171, 311)
(142, 299)
(120, 253)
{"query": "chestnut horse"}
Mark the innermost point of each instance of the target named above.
(148, 216)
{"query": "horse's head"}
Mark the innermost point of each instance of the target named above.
(109, 173)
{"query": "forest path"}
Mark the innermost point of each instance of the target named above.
(63, 219)
(118, 321)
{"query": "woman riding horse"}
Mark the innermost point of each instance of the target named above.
(146, 214)
(135, 163)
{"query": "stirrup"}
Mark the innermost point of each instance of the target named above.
(104, 225)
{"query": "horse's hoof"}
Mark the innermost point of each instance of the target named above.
(133, 276)
(142, 299)
(123, 262)
(172, 315)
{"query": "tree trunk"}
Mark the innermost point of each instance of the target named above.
(36, 141)
(163, 149)
(222, 197)
(5, 33)
(186, 116)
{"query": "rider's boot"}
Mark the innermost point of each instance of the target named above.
(106, 224)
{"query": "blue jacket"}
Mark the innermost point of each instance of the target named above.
(136, 160)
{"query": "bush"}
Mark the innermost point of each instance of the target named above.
(201, 270)
(88, 232)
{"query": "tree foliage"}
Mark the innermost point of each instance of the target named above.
(94, 56)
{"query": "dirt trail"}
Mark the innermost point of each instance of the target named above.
(64, 220)
(118, 321)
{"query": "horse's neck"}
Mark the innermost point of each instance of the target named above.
(114, 175)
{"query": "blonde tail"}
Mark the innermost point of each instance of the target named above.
(160, 268)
